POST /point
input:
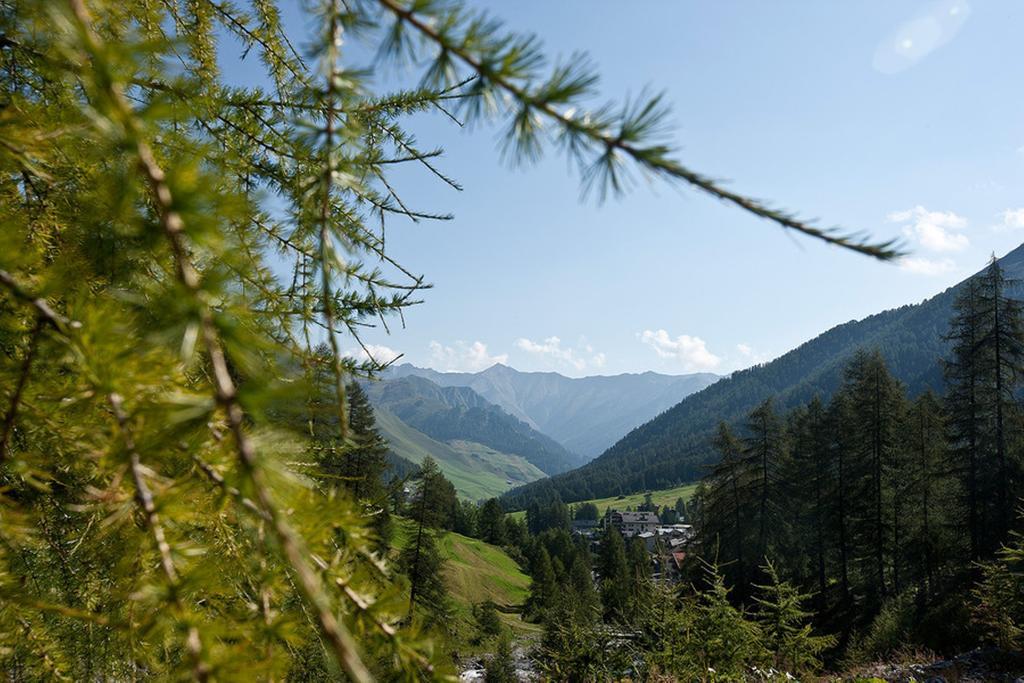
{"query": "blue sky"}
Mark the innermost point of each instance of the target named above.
(895, 118)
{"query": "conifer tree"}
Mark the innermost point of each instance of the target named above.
(501, 667)
(842, 456)
(491, 522)
(810, 486)
(724, 508)
(1000, 352)
(998, 599)
(875, 412)
(364, 461)
(709, 638)
(983, 377)
(421, 561)
(613, 569)
(963, 372)
(929, 491)
(785, 626)
(543, 585)
(763, 453)
(423, 565)
(584, 600)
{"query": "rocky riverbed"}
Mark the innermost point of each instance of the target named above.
(473, 669)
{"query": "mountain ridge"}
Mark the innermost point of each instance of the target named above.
(584, 414)
(460, 414)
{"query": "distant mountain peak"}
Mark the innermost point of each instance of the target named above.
(500, 368)
(584, 414)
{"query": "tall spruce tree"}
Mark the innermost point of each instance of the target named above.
(431, 508)
(963, 372)
(616, 580)
(1000, 352)
(932, 498)
(841, 443)
(723, 505)
(875, 414)
(763, 454)
(491, 522)
(983, 376)
(809, 488)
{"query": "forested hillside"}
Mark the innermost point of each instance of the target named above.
(585, 414)
(459, 413)
(675, 446)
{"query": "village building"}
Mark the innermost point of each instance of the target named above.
(630, 524)
(585, 527)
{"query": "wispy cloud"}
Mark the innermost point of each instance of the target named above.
(463, 357)
(579, 358)
(1010, 219)
(376, 353)
(937, 24)
(933, 230)
(748, 355)
(925, 266)
(690, 352)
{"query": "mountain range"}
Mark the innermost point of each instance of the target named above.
(486, 446)
(585, 415)
(675, 446)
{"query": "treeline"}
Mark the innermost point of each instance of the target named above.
(880, 504)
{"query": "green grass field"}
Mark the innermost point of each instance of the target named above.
(477, 572)
(660, 497)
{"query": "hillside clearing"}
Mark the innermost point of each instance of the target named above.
(660, 497)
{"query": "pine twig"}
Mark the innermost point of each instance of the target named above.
(342, 643)
(144, 498)
(7, 428)
(653, 159)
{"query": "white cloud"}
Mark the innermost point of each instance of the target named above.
(748, 355)
(933, 230)
(378, 353)
(463, 357)
(1012, 219)
(925, 266)
(579, 358)
(691, 352)
(937, 24)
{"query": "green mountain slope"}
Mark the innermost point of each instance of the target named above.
(585, 415)
(475, 470)
(674, 447)
(459, 413)
(477, 572)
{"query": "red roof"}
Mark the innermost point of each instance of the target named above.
(678, 558)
